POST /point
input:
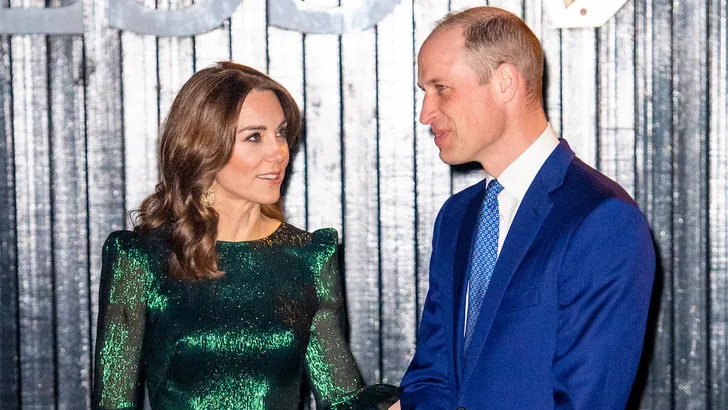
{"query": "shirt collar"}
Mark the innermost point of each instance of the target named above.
(517, 178)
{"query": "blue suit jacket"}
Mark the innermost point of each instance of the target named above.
(563, 320)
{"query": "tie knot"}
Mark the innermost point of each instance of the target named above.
(491, 192)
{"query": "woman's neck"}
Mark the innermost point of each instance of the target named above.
(243, 222)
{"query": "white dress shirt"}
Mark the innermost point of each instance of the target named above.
(516, 179)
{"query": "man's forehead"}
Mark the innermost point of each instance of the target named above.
(448, 35)
(438, 55)
(443, 43)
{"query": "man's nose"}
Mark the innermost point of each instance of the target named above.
(428, 110)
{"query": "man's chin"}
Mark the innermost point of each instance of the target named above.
(450, 159)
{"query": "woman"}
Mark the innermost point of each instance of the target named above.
(213, 300)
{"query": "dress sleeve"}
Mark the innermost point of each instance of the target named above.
(118, 382)
(332, 372)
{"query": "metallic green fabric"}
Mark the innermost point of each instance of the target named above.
(243, 341)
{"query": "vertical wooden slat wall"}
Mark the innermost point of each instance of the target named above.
(360, 193)
(433, 178)
(644, 98)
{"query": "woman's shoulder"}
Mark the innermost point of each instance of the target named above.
(134, 257)
(324, 237)
(123, 241)
(136, 243)
(320, 244)
(316, 249)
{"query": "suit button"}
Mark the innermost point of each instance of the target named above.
(461, 408)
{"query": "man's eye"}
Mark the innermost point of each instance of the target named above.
(440, 87)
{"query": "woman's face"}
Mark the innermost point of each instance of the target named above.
(260, 154)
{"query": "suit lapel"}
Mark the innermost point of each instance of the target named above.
(528, 220)
(460, 272)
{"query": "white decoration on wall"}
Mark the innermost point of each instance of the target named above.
(200, 17)
(307, 18)
(582, 13)
(47, 20)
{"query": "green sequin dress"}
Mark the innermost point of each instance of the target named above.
(243, 341)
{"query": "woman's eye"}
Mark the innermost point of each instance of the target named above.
(253, 137)
(282, 134)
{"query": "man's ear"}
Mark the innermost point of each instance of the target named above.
(508, 80)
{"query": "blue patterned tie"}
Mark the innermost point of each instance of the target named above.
(482, 261)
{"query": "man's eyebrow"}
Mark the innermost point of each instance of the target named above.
(429, 82)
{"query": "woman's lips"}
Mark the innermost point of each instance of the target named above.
(271, 177)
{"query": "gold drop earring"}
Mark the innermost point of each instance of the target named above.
(208, 197)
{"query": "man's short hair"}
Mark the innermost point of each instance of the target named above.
(495, 36)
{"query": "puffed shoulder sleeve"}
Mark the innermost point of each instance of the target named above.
(125, 270)
(332, 372)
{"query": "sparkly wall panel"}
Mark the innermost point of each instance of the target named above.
(717, 205)
(644, 98)
(36, 287)
(9, 340)
(690, 197)
(105, 146)
(69, 219)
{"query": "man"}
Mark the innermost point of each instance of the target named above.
(540, 276)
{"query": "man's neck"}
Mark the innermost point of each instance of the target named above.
(521, 132)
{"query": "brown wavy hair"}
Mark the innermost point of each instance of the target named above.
(196, 141)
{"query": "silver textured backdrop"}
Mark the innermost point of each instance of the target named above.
(644, 98)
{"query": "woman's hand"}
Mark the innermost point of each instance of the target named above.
(395, 406)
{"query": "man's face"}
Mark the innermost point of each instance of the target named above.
(466, 118)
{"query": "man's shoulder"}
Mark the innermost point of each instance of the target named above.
(591, 185)
(586, 191)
